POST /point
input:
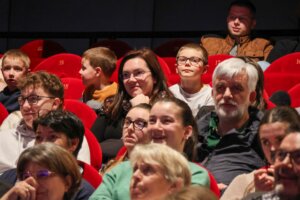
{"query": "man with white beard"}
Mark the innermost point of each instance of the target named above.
(228, 136)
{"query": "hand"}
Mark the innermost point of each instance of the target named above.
(222, 186)
(264, 179)
(138, 99)
(23, 190)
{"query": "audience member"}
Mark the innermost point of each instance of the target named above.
(193, 192)
(228, 136)
(134, 132)
(45, 171)
(98, 64)
(172, 123)
(140, 80)
(239, 41)
(273, 127)
(281, 98)
(15, 65)
(287, 171)
(191, 62)
(66, 130)
(40, 92)
(158, 170)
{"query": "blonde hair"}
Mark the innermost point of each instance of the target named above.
(17, 54)
(101, 57)
(193, 192)
(173, 164)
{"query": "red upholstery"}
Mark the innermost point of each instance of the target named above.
(82, 111)
(171, 47)
(294, 93)
(119, 47)
(62, 65)
(171, 61)
(3, 113)
(95, 149)
(73, 88)
(280, 81)
(213, 61)
(38, 49)
(213, 183)
(121, 152)
(289, 63)
(90, 174)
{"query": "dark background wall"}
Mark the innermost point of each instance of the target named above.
(131, 16)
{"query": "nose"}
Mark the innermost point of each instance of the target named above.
(80, 71)
(236, 20)
(25, 104)
(227, 93)
(136, 175)
(131, 78)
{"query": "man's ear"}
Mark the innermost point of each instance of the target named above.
(253, 24)
(98, 71)
(68, 182)
(56, 103)
(74, 144)
(252, 97)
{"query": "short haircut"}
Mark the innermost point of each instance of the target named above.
(244, 3)
(196, 47)
(55, 159)
(65, 122)
(49, 82)
(234, 66)
(17, 54)
(173, 164)
(101, 57)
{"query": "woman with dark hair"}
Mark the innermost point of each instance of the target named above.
(274, 126)
(141, 80)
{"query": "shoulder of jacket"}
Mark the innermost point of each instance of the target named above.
(211, 37)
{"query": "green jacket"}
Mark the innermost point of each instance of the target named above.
(115, 184)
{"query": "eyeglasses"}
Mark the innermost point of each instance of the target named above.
(32, 99)
(137, 74)
(139, 124)
(181, 60)
(42, 174)
(280, 155)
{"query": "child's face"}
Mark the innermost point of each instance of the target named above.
(190, 64)
(88, 74)
(13, 69)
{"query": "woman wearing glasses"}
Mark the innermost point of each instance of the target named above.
(46, 172)
(141, 80)
(191, 64)
(273, 127)
(134, 132)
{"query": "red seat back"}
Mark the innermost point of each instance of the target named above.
(289, 63)
(73, 88)
(95, 149)
(63, 65)
(294, 93)
(3, 113)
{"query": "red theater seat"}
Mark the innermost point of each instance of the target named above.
(73, 88)
(294, 93)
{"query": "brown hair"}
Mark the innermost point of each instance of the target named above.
(101, 57)
(196, 47)
(49, 82)
(55, 159)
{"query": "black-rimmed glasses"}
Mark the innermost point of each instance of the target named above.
(31, 99)
(139, 124)
(41, 174)
(195, 61)
(280, 155)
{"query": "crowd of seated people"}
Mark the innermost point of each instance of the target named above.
(190, 140)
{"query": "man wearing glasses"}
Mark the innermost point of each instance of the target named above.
(191, 64)
(240, 21)
(40, 93)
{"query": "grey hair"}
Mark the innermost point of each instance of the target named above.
(233, 66)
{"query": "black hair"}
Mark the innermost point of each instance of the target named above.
(64, 122)
(244, 3)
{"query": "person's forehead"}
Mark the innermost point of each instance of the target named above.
(291, 142)
(239, 11)
(34, 89)
(190, 51)
(240, 78)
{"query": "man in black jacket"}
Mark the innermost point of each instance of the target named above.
(228, 136)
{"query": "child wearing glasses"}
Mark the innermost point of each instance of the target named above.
(191, 64)
(15, 65)
(98, 64)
